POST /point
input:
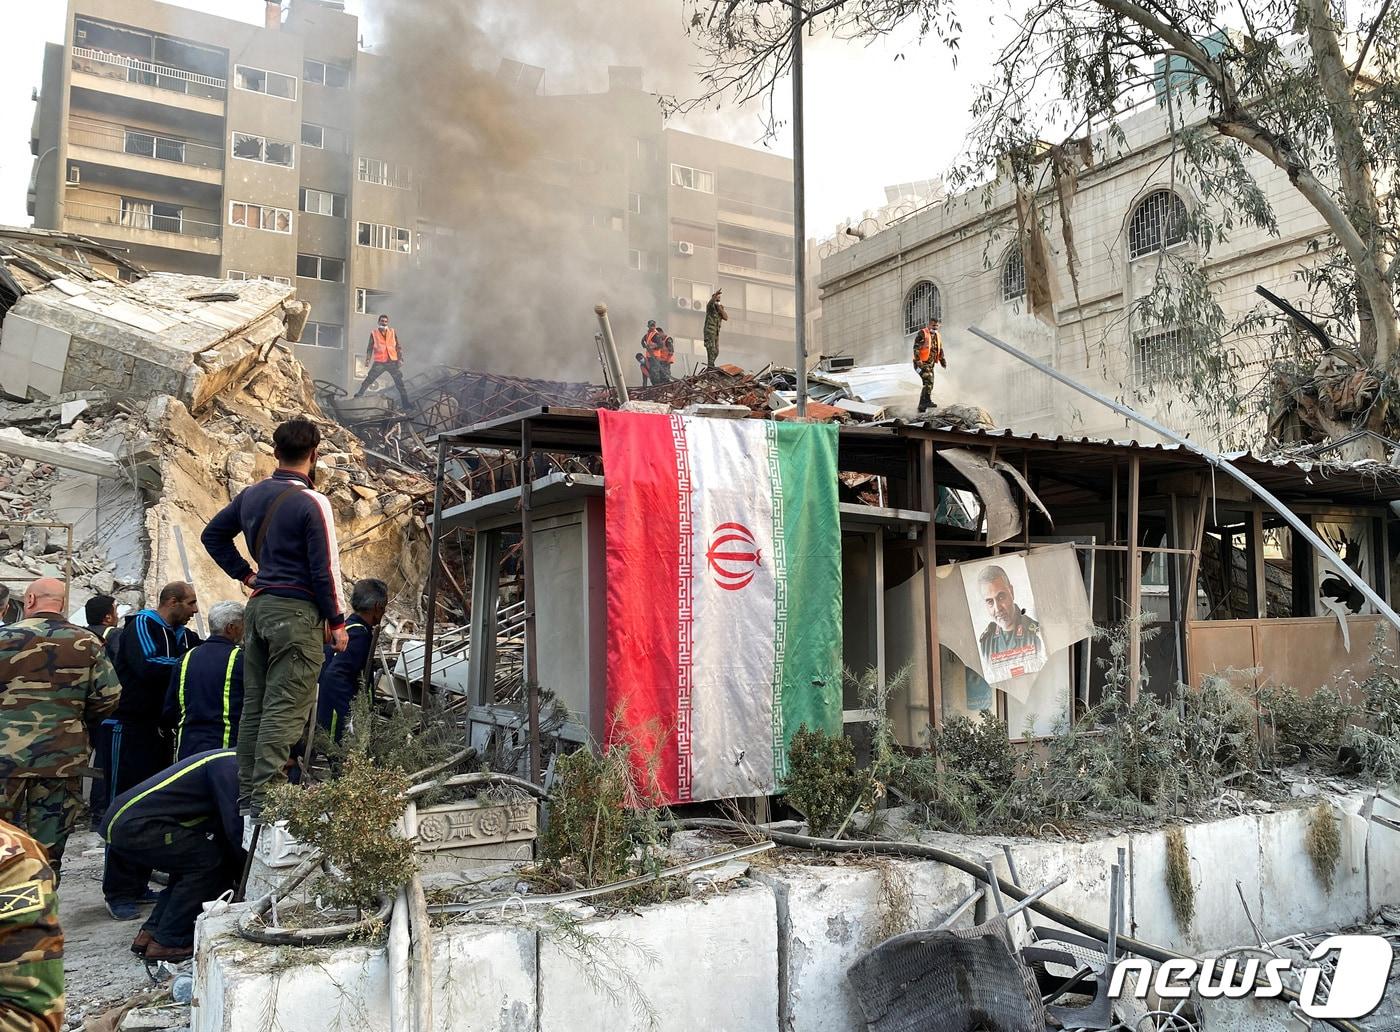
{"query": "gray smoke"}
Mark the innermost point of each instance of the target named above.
(510, 282)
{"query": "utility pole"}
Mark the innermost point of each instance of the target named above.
(799, 210)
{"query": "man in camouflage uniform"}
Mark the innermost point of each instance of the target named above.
(714, 315)
(31, 941)
(928, 353)
(56, 687)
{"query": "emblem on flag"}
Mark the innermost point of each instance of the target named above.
(734, 556)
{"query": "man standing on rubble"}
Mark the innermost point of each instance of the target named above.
(384, 354)
(149, 650)
(205, 699)
(31, 940)
(56, 687)
(928, 353)
(296, 607)
(714, 315)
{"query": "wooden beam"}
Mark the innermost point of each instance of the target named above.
(1134, 581)
(1257, 565)
(928, 489)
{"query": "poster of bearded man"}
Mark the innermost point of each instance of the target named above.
(1000, 598)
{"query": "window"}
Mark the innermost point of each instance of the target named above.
(696, 293)
(784, 303)
(322, 74)
(316, 266)
(692, 179)
(256, 80)
(637, 259)
(384, 173)
(260, 148)
(322, 202)
(259, 216)
(385, 238)
(370, 302)
(1013, 275)
(1158, 223)
(137, 213)
(646, 150)
(235, 274)
(1029, 390)
(154, 146)
(634, 203)
(923, 301)
(313, 135)
(323, 335)
(1157, 357)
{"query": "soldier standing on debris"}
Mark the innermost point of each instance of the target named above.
(205, 699)
(58, 686)
(296, 607)
(714, 315)
(384, 353)
(149, 649)
(186, 820)
(344, 672)
(31, 940)
(928, 352)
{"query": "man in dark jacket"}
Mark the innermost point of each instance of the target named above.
(100, 611)
(296, 606)
(185, 820)
(101, 614)
(149, 648)
(205, 699)
(344, 672)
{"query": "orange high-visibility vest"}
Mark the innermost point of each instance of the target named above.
(924, 350)
(386, 345)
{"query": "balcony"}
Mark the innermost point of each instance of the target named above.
(140, 151)
(765, 268)
(108, 72)
(761, 218)
(145, 223)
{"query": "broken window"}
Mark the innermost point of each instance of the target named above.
(384, 238)
(313, 135)
(323, 335)
(315, 266)
(368, 301)
(1158, 223)
(258, 216)
(692, 179)
(258, 80)
(1013, 275)
(924, 302)
(259, 148)
(382, 173)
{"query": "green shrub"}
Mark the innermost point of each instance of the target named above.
(822, 780)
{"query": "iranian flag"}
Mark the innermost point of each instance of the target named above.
(724, 597)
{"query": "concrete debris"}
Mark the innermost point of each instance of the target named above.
(31, 259)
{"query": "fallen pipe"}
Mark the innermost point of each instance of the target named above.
(919, 851)
(610, 353)
(1215, 459)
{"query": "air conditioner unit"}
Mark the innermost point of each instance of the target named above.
(682, 302)
(74, 175)
(685, 247)
(836, 363)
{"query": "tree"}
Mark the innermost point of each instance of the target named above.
(1281, 84)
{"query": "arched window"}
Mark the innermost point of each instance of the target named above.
(1013, 275)
(922, 304)
(1158, 222)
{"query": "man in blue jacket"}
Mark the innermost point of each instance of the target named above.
(148, 649)
(296, 607)
(184, 819)
(345, 672)
(205, 699)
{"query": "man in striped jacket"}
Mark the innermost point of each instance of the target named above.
(205, 698)
(297, 605)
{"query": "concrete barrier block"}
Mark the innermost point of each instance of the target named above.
(1087, 866)
(708, 963)
(1383, 857)
(1295, 899)
(483, 981)
(1222, 852)
(830, 916)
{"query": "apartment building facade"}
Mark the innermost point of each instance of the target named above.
(212, 146)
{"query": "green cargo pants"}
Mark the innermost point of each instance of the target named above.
(47, 808)
(283, 643)
(711, 352)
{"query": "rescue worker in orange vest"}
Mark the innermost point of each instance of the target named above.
(646, 368)
(652, 341)
(384, 354)
(665, 358)
(928, 352)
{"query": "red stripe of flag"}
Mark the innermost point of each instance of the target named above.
(643, 573)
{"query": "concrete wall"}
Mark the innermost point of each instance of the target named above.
(773, 952)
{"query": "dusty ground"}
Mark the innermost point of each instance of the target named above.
(98, 967)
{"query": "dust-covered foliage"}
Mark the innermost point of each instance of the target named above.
(352, 820)
(1181, 889)
(1303, 729)
(1324, 843)
(1373, 740)
(822, 780)
(594, 834)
